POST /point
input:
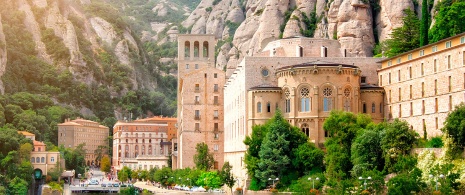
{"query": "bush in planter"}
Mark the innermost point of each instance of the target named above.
(274, 190)
(365, 192)
(314, 192)
(436, 193)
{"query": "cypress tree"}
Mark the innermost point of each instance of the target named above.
(424, 23)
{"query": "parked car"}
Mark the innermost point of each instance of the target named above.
(115, 185)
(103, 185)
(93, 182)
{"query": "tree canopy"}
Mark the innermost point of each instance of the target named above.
(404, 38)
(449, 21)
(203, 159)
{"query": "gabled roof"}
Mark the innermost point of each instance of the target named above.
(25, 133)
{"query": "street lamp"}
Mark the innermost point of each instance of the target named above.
(311, 179)
(436, 177)
(365, 182)
(277, 179)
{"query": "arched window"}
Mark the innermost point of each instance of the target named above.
(126, 148)
(196, 49)
(268, 107)
(305, 100)
(150, 149)
(347, 100)
(205, 49)
(305, 129)
(33, 160)
(287, 101)
(137, 148)
(327, 99)
(259, 107)
(373, 108)
(42, 160)
(187, 49)
(37, 160)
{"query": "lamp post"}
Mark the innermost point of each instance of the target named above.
(436, 179)
(365, 182)
(311, 179)
(277, 179)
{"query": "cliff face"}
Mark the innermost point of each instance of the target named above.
(71, 24)
(352, 22)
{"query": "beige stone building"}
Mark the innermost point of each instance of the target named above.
(143, 144)
(72, 133)
(423, 85)
(41, 159)
(200, 100)
(303, 77)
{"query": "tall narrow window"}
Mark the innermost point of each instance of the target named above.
(380, 80)
(215, 114)
(205, 49)
(364, 107)
(196, 49)
(187, 49)
(422, 89)
(435, 87)
(305, 129)
(373, 108)
(259, 107)
(197, 126)
(410, 72)
(410, 92)
(197, 87)
(197, 99)
(411, 108)
(450, 83)
(423, 107)
(436, 122)
(327, 99)
(215, 88)
(287, 104)
(450, 102)
(435, 63)
(187, 66)
(304, 100)
(463, 58)
(347, 100)
(436, 105)
(381, 108)
(197, 114)
(448, 44)
(215, 100)
(268, 107)
(448, 62)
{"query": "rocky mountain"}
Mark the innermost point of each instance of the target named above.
(357, 24)
(73, 49)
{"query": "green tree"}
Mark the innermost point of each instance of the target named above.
(406, 183)
(105, 165)
(18, 186)
(32, 122)
(343, 128)
(449, 21)
(74, 158)
(25, 151)
(454, 126)
(397, 140)
(404, 38)
(125, 174)
(424, 25)
(163, 176)
(210, 179)
(254, 143)
(226, 176)
(366, 152)
(203, 159)
(274, 152)
(309, 158)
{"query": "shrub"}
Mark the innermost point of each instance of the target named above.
(435, 142)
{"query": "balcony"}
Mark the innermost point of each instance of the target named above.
(197, 117)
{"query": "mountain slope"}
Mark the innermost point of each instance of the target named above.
(80, 53)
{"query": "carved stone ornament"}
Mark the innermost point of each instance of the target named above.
(315, 69)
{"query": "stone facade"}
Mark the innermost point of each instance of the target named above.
(200, 100)
(143, 144)
(72, 133)
(42, 159)
(423, 85)
(303, 77)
